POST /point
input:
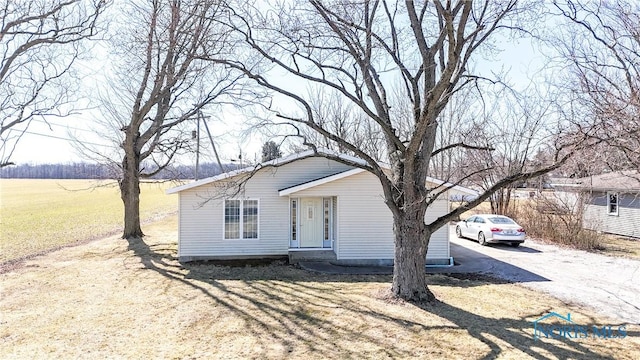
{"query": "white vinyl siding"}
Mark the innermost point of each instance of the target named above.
(334, 228)
(627, 221)
(365, 223)
(201, 211)
(362, 225)
(439, 242)
(365, 227)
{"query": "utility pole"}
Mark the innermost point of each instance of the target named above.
(213, 145)
(198, 144)
(206, 127)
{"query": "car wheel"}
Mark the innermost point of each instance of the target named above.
(515, 244)
(458, 232)
(481, 239)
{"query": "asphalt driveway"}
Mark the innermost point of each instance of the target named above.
(609, 285)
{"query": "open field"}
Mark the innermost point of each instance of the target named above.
(111, 299)
(38, 215)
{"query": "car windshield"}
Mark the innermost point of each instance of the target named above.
(501, 220)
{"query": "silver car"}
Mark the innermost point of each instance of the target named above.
(487, 228)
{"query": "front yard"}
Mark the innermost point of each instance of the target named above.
(614, 245)
(108, 298)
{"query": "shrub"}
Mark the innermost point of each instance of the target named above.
(552, 220)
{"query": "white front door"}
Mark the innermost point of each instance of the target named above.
(311, 222)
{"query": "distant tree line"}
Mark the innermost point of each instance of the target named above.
(56, 171)
(101, 171)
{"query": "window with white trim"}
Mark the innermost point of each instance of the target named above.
(241, 219)
(612, 203)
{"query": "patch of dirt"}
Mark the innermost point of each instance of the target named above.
(241, 262)
(19, 262)
(385, 294)
(486, 278)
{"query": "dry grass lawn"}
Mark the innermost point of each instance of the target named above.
(37, 215)
(111, 299)
(621, 246)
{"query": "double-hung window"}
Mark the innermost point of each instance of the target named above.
(612, 203)
(241, 219)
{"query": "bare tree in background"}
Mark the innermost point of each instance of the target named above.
(161, 83)
(461, 121)
(347, 121)
(40, 40)
(355, 50)
(517, 133)
(601, 44)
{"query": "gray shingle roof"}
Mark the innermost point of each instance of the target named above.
(628, 180)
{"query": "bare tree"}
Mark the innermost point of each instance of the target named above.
(459, 122)
(601, 45)
(347, 121)
(162, 83)
(356, 49)
(40, 40)
(517, 134)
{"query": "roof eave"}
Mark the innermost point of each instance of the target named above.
(297, 188)
(230, 174)
(305, 154)
(610, 189)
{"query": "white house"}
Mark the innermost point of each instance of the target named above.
(300, 204)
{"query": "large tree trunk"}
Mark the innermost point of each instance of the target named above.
(411, 240)
(130, 195)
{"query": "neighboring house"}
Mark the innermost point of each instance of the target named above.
(611, 202)
(297, 206)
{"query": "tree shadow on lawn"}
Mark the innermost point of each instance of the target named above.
(516, 333)
(306, 313)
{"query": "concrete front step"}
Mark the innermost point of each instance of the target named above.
(295, 256)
